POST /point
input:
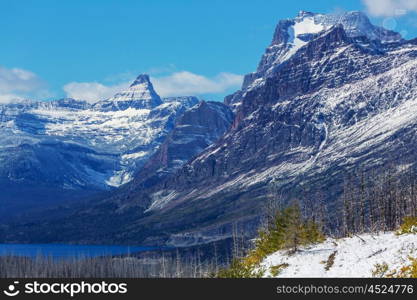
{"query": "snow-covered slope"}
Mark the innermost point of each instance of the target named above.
(352, 257)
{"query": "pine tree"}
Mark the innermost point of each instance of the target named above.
(295, 235)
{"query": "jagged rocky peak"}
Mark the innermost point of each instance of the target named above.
(140, 95)
(293, 34)
(305, 24)
(141, 79)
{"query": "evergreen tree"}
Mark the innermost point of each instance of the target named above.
(295, 233)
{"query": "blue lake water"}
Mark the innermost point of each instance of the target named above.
(67, 251)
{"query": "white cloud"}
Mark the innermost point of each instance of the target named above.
(177, 84)
(92, 91)
(17, 84)
(9, 98)
(187, 83)
(386, 8)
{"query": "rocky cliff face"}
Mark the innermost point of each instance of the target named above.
(197, 129)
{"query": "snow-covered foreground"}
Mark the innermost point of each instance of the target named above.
(355, 257)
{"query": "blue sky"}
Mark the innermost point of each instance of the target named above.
(91, 48)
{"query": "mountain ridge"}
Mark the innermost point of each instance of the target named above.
(70, 146)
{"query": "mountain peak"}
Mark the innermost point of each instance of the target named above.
(141, 79)
(293, 34)
(139, 95)
(355, 23)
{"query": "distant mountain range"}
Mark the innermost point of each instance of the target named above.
(332, 93)
(67, 149)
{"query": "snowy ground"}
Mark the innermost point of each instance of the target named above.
(355, 256)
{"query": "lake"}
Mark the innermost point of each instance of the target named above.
(67, 251)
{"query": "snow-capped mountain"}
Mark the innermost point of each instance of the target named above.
(345, 99)
(332, 93)
(292, 34)
(71, 145)
(140, 95)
